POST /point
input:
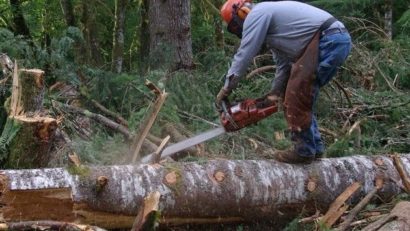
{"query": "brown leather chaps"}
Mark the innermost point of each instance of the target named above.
(299, 91)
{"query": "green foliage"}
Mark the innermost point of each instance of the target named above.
(14, 46)
(403, 23)
(9, 132)
(294, 225)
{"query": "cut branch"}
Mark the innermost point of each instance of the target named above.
(356, 209)
(157, 154)
(149, 121)
(339, 206)
(400, 169)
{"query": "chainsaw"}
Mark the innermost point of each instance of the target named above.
(233, 117)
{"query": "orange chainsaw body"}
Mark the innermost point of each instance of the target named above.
(239, 115)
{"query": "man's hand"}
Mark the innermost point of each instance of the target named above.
(270, 99)
(222, 95)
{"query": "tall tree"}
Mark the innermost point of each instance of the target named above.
(388, 18)
(144, 35)
(20, 25)
(68, 11)
(88, 19)
(118, 40)
(170, 34)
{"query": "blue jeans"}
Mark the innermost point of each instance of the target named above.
(333, 51)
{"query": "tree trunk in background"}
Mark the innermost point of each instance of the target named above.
(170, 34)
(118, 36)
(219, 32)
(388, 18)
(68, 11)
(144, 37)
(90, 32)
(213, 192)
(20, 26)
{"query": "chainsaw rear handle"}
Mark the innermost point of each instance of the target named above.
(237, 116)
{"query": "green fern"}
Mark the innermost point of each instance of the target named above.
(9, 132)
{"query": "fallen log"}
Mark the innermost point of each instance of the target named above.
(213, 192)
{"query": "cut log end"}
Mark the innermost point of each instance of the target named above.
(219, 176)
(44, 127)
(37, 74)
(171, 178)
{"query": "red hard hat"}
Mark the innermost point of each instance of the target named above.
(228, 8)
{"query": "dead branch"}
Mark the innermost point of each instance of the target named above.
(346, 223)
(114, 115)
(188, 115)
(312, 218)
(260, 70)
(392, 87)
(328, 132)
(149, 121)
(261, 56)
(367, 220)
(400, 214)
(358, 131)
(338, 207)
(97, 117)
(339, 85)
(399, 166)
(157, 154)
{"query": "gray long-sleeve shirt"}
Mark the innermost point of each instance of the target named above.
(286, 27)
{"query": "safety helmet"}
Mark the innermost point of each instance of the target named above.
(234, 7)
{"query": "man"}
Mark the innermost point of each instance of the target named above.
(308, 45)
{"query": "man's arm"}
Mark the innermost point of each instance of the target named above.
(254, 34)
(283, 67)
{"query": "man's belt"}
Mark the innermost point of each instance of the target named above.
(333, 31)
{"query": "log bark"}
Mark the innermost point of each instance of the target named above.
(216, 191)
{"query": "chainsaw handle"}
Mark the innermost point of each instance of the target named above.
(224, 104)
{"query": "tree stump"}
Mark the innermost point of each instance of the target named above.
(26, 139)
(31, 144)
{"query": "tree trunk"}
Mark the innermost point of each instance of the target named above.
(118, 40)
(91, 32)
(170, 34)
(213, 192)
(68, 12)
(20, 26)
(144, 37)
(218, 23)
(388, 18)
